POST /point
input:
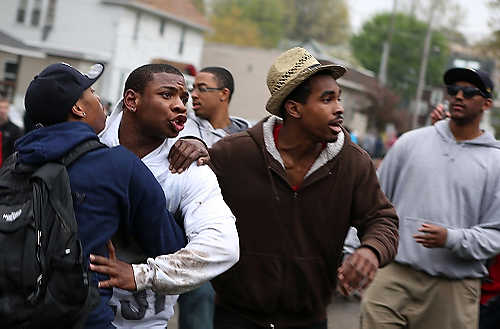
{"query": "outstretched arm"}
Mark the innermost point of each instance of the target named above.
(121, 274)
(213, 245)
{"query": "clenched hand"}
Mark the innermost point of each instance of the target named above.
(357, 271)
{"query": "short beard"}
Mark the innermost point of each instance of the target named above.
(466, 120)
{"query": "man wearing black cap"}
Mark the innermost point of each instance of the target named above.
(112, 186)
(444, 181)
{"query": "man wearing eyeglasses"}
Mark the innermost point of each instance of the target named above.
(211, 94)
(444, 181)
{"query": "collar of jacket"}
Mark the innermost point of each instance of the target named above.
(329, 153)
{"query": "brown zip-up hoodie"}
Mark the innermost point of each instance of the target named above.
(291, 242)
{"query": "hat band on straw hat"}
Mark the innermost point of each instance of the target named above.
(284, 78)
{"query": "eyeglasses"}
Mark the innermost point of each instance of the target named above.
(468, 92)
(203, 89)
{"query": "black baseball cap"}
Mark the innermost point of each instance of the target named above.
(478, 78)
(52, 93)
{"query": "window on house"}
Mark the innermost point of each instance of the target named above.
(136, 25)
(49, 19)
(51, 12)
(162, 27)
(183, 40)
(36, 12)
(21, 11)
(10, 71)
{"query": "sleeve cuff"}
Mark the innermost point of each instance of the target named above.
(143, 275)
(452, 238)
(374, 250)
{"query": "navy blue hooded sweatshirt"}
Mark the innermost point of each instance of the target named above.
(112, 188)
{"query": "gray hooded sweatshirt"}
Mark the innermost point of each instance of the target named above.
(432, 178)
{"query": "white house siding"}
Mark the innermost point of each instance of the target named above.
(95, 32)
(149, 44)
(22, 31)
(84, 26)
(29, 67)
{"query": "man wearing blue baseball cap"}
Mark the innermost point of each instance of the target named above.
(444, 181)
(113, 187)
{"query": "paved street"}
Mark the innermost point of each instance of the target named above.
(342, 314)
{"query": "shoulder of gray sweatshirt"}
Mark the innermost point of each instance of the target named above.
(201, 128)
(432, 178)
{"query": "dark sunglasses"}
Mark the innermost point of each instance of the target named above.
(468, 92)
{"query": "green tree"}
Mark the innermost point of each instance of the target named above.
(406, 51)
(200, 5)
(491, 44)
(235, 29)
(235, 20)
(324, 20)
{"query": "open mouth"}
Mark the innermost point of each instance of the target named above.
(178, 122)
(336, 125)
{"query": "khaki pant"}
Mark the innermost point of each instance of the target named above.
(401, 297)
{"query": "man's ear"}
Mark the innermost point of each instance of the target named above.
(78, 111)
(224, 95)
(488, 103)
(130, 100)
(293, 109)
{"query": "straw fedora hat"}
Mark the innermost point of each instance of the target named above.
(289, 70)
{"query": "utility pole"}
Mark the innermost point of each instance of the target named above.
(423, 65)
(382, 77)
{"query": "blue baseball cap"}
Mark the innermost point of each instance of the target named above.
(52, 93)
(478, 78)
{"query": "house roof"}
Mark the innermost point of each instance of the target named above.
(182, 11)
(180, 8)
(11, 45)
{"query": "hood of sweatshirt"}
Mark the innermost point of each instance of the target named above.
(51, 143)
(486, 139)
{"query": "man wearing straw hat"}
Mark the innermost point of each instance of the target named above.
(296, 182)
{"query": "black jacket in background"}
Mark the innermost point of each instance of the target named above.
(10, 133)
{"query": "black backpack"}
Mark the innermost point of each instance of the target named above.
(44, 280)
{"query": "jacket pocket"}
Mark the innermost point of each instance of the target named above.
(307, 286)
(254, 282)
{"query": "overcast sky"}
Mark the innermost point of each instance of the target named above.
(474, 25)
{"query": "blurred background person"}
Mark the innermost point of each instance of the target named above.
(9, 132)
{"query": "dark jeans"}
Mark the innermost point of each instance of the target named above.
(225, 319)
(489, 314)
(196, 308)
